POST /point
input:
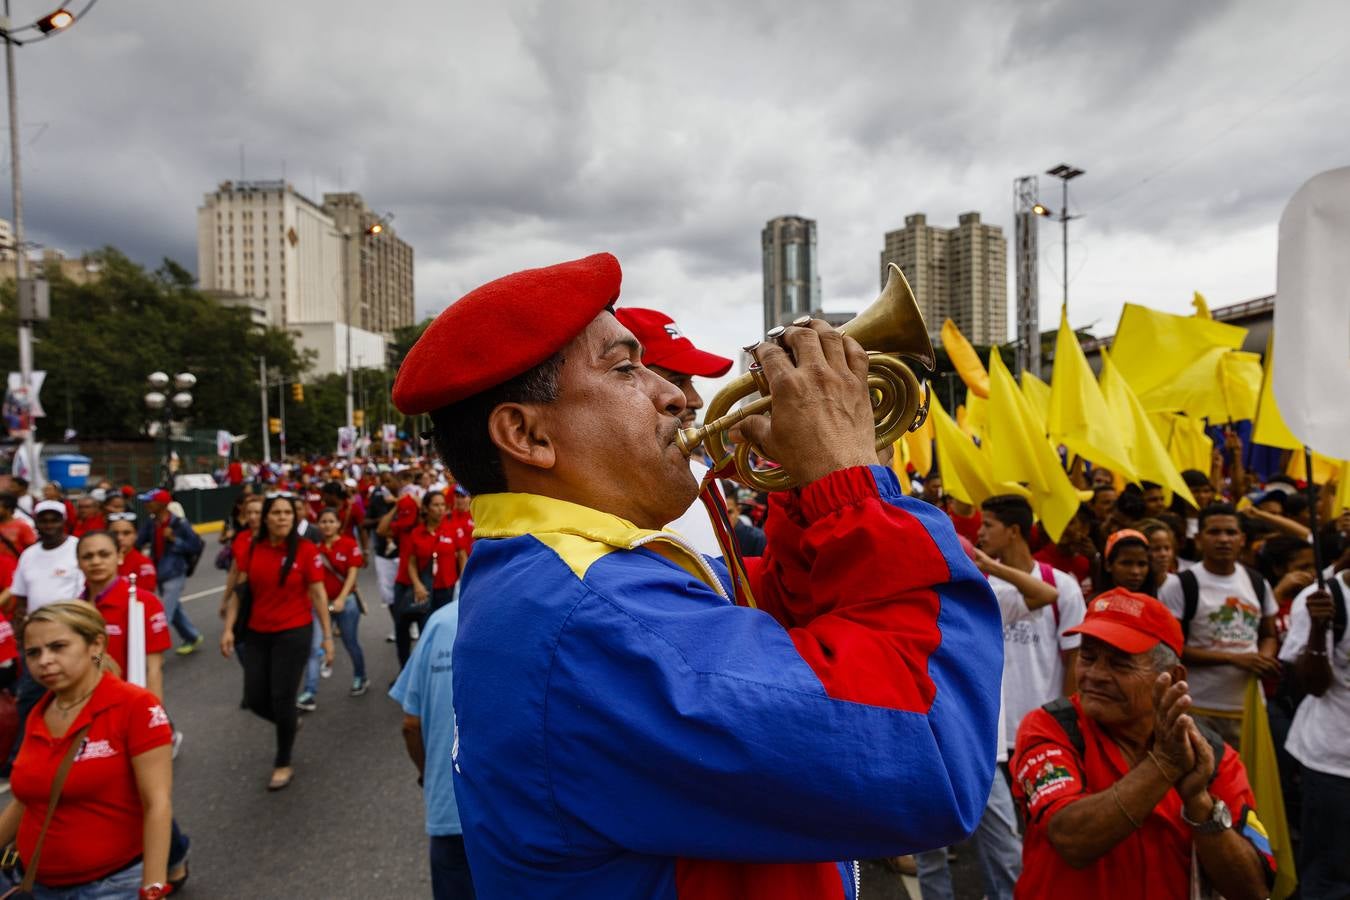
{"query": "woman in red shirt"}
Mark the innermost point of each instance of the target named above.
(342, 561)
(109, 832)
(285, 582)
(435, 557)
(96, 554)
(122, 526)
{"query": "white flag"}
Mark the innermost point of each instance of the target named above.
(224, 443)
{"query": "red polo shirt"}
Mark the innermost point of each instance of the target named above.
(1154, 862)
(9, 644)
(16, 536)
(138, 564)
(463, 526)
(96, 522)
(407, 512)
(342, 556)
(440, 544)
(114, 604)
(97, 827)
(281, 606)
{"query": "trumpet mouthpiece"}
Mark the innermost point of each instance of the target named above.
(688, 439)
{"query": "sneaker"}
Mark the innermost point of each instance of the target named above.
(390, 638)
(190, 648)
(415, 631)
(177, 743)
(360, 686)
(326, 671)
(306, 702)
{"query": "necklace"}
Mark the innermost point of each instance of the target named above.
(66, 708)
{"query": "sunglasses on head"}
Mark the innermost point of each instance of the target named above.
(122, 517)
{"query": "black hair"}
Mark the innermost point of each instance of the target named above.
(97, 532)
(1149, 485)
(1010, 510)
(1195, 478)
(1277, 554)
(1295, 504)
(292, 537)
(21, 482)
(1279, 498)
(1102, 487)
(1128, 540)
(461, 429)
(333, 487)
(9, 501)
(1130, 504)
(1215, 509)
(328, 511)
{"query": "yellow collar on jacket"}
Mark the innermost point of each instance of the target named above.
(578, 534)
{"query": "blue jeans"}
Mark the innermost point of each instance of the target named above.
(346, 622)
(123, 885)
(450, 878)
(1323, 864)
(997, 844)
(169, 593)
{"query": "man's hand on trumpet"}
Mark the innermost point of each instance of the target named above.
(822, 413)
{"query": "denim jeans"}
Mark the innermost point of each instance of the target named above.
(450, 878)
(123, 885)
(346, 622)
(996, 843)
(1323, 863)
(170, 593)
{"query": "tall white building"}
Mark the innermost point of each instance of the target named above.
(264, 240)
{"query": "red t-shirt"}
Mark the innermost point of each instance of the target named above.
(277, 606)
(1078, 565)
(138, 564)
(343, 555)
(7, 566)
(96, 522)
(1154, 862)
(114, 604)
(239, 548)
(16, 532)
(442, 546)
(235, 473)
(968, 526)
(406, 517)
(97, 827)
(9, 644)
(463, 526)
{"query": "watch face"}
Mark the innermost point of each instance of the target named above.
(1222, 815)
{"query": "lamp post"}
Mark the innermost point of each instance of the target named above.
(375, 229)
(1065, 173)
(163, 406)
(45, 27)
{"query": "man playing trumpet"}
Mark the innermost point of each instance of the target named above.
(623, 728)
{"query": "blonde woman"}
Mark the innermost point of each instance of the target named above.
(109, 833)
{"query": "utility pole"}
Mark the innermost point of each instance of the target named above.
(281, 408)
(262, 390)
(1028, 298)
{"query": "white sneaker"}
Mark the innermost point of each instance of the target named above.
(414, 631)
(326, 671)
(177, 742)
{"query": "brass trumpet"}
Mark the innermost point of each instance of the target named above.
(891, 328)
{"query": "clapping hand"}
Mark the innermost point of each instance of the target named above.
(1173, 750)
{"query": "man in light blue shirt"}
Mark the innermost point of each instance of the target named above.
(423, 690)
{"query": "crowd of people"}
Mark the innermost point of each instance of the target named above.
(596, 706)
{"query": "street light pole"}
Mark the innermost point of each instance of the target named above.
(1065, 173)
(20, 267)
(347, 314)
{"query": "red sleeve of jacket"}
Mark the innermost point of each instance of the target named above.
(860, 580)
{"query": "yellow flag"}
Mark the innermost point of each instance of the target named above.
(1038, 396)
(1219, 384)
(1257, 749)
(1325, 469)
(1151, 347)
(1077, 417)
(1021, 454)
(1343, 490)
(1150, 457)
(1201, 307)
(1186, 440)
(964, 467)
(919, 447)
(964, 359)
(976, 420)
(1269, 427)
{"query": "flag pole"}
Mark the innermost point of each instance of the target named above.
(1312, 516)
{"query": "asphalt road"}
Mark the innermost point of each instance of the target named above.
(351, 823)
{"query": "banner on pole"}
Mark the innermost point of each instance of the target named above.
(346, 442)
(389, 432)
(224, 443)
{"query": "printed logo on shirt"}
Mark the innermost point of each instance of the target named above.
(1234, 622)
(158, 622)
(114, 630)
(158, 717)
(95, 750)
(1020, 632)
(1045, 776)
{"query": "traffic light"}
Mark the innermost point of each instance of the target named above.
(358, 417)
(298, 392)
(274, 425)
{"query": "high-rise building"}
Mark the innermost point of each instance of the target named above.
(959, 273)
(378, 268)
(791, 275)
(264, 240)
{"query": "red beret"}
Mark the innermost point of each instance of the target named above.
(664, 345)
(502, 329)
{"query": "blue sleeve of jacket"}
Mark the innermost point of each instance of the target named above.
(678, 724)
(187, 542)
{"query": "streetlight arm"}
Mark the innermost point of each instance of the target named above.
(7, 34)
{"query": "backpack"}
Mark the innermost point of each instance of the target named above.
(1190, 593)
(1066, 716)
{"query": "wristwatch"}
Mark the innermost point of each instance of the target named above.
(1220, 819)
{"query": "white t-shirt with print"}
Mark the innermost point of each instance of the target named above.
(1227, 618)
(46, 576)
(1318, 737)
(1033, 671)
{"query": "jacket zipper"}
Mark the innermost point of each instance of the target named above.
(711, 577)
(857, 881)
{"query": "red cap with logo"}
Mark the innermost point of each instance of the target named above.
(664, 345)
(1131, 622)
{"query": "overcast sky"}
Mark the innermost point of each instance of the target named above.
(510, 135)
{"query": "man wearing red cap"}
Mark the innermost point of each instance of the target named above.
(1120, 785)
(668, 353)
(623, 728)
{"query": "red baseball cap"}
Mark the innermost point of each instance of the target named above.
(503, 329)
(157, 496)
(1131, 622)
(664, 345)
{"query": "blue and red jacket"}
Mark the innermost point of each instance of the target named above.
(625, 730)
